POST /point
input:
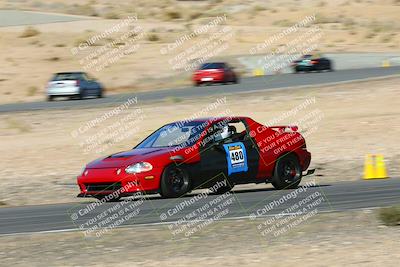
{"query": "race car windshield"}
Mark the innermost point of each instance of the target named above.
(67, 76)
(182, 134)
(208, 66)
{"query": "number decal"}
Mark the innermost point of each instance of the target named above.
(236, 157)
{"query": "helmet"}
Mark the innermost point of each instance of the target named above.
(225, 132)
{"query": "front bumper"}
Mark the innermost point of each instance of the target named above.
(110, 180)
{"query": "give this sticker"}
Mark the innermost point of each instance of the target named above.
(236, 157)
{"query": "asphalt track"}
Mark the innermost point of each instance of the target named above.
(336, 197)
(246, 85)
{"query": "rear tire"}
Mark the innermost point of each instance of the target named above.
(50, 98)
(81, 94)
(287, 172)
(175, 182)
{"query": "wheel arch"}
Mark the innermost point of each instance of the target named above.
(283, 154)
(174, 164)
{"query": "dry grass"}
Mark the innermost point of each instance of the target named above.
(374, 29)
(153, 37)
(390, 216)
(336, 239)
(29, 32)
(84, 10)
(112, 15)
(15, 124)
(173, 15)
(32, 90)
(23, 134)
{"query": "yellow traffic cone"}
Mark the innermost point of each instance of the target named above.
(369, 167)
(380, 167)
(386, 63)
(258, 72)
(374, 167)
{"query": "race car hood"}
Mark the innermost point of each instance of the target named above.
(126, 158)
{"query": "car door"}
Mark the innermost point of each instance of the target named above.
(90, 85)
(233, 158)
(228, 73)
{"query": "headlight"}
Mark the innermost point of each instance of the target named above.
(139, 167)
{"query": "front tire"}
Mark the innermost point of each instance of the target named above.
(175, 182)
(50, 98)
(287, 173)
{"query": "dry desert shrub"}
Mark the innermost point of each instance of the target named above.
(29, 32)
(390, 216)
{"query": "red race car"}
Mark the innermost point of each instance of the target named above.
(216, 72)
(186, 155)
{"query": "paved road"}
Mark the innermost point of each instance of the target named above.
(341, 61)
(335, 197)
(19, 18)
(246, 85)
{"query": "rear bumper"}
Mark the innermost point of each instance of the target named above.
(63, 91)
(305, 160)
(305, 68)
(209, 78)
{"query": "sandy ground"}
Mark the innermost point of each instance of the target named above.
(43, 152)
(29, 61)
(335, 239)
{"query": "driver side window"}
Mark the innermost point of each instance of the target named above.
(225, 132)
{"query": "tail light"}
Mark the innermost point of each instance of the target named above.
(314, 62)
(77, 83)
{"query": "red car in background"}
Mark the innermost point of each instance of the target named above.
(215, 72)
(187, 155)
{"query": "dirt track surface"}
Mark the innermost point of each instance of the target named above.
(357, 119)
(30, 61)
(335, 239)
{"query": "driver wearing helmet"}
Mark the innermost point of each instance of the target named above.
(225, 133)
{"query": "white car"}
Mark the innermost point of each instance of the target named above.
(72, 85)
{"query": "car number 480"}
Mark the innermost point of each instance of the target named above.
(236, 156)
